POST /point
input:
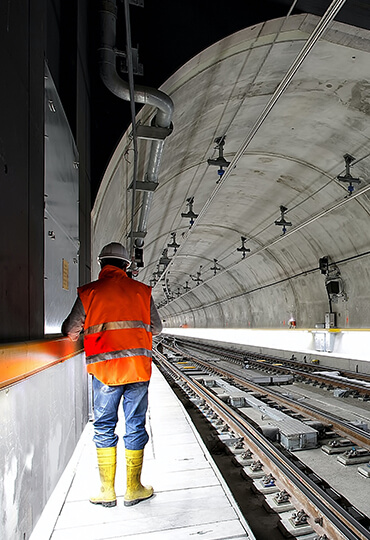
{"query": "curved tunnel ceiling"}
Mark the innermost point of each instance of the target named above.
(292, 161)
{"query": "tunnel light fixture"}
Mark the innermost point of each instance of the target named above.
(347, 177)
(190, 214)
(242, 248)
(220, 161)
(282, 221)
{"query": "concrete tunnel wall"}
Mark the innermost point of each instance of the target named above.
(37, 439)
(328, 107)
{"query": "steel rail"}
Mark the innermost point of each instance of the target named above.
(311, 496)
(266, 361)
(342, 427)
(339, 425)
(296, 367)
(322, 379)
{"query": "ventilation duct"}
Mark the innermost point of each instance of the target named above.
(142, 94)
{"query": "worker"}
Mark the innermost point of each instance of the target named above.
(118, 317)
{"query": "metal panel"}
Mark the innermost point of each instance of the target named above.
(61, 211)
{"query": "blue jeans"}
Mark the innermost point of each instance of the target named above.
(135, 405)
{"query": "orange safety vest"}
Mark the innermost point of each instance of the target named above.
(117, 335)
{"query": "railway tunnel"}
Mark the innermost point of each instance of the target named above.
(247, 214)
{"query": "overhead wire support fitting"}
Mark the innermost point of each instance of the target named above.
(314, 37)
(308, 222)
(243, 249)
(215, 267)
(190, 214)
(165, 260)
(220, 161)
(282, 221)
(157, 273)
(198, 279)
(347, 177)
(173, 244)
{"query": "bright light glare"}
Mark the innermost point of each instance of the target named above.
(353, 345)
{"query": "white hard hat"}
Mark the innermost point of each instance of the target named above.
(114, 250)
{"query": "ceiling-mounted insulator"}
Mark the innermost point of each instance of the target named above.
(186, 287)
(190, 214)
(173, 244)
(178, 292)
(153, 282)
(164, 258)
(198, 279)
(242, 248)
(220, 161)
(157, 273)
(282, 221)
(347, 177)
(215, 268)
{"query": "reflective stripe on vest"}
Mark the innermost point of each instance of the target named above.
(118, 354)
(116, 325)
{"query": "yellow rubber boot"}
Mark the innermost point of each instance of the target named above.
(135, 492)
(107, 460)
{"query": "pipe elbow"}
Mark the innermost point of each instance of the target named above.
(158, 99)
(142, 94)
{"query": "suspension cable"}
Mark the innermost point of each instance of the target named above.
(322, 25)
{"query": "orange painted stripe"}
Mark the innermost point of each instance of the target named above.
(21, 360)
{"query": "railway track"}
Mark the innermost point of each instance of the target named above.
(317, 507)
(357, 435)
(357, 384)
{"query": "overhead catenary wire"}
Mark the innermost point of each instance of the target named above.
(318, 31)
(274, 283)
(241, 102)
(309, 221)
(327, 183)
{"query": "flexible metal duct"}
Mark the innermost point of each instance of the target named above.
(142, 94)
